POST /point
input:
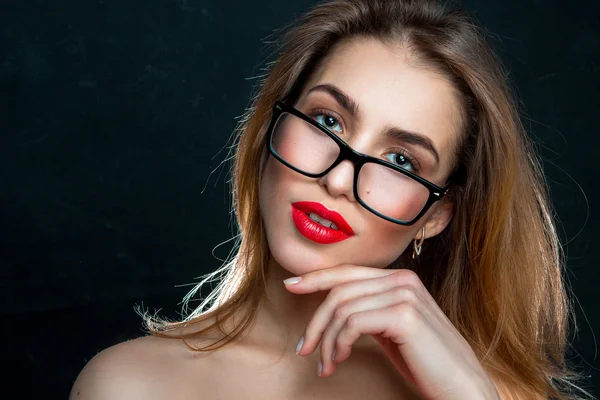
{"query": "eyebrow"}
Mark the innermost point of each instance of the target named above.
(351, 106)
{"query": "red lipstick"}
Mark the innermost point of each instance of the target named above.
(315, 231)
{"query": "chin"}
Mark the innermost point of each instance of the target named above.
(295, 256)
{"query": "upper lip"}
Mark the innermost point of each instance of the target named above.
(324, 212)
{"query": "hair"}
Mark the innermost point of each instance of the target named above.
(508, 254)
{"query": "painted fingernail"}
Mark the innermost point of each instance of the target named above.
(333, 355)
(320, 368)
(292, 281)
(299, 345)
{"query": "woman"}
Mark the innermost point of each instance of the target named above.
(384, 174)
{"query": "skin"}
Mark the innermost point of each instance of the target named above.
(391, 339)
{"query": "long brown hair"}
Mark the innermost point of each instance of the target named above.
(497, 270)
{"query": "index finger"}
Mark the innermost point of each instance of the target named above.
(326, 279)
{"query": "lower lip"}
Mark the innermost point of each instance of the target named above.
(315, 231)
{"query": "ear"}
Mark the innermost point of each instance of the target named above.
(439, 218)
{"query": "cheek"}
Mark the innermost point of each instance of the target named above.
(285, 244)
(385, 241)
(389, 241)
(268, 189)
(391, 192)
(275, 184)
(275, 188)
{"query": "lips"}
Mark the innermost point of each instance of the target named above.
(314, 230)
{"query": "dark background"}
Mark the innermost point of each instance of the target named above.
(115, 113)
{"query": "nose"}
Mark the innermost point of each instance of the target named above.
(339, 180)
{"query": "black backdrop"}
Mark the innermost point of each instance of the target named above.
(115, 113)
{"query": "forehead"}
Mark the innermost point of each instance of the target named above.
(391, 90)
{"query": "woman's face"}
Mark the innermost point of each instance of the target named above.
(388, 93)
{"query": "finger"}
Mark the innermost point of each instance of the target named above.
(336, 297)
(425, 353)
(356, 305)
(326, 279)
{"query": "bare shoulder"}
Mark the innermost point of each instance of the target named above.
(147, 367)
(124, 371)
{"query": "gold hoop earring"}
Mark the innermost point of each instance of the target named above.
(417, 247)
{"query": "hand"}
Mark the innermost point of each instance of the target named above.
(397, 310)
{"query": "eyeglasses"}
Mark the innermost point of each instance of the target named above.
(385, 189)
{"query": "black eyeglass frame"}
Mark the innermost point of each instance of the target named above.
(358, 159)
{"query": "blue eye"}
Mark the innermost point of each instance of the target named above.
(401, 158)
(326, 119)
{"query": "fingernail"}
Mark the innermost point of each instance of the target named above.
(292, 281)
(320, 368)
(299, 345)
(333, 355)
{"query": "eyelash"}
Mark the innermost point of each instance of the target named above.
(395, 150)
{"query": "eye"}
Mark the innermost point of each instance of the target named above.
(402, 158)
(328, 119)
